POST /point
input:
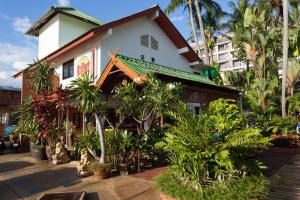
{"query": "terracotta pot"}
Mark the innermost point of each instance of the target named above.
(166, 197)
(99, 174)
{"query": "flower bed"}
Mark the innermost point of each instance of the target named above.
(289, 141)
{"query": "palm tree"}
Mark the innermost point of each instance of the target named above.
(86, 98)
(260, 91)
(285, 43)
(293, 73)
(202, 30)
(174, 4)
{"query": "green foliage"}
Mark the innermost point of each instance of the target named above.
(248, 187)
(88, 139)
(214, 146)
(279, 125)
(42, 77)
(102, 168)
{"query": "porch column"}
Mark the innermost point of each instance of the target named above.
(67, 127)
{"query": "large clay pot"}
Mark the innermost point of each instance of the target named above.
(100, 174)
(38, 152)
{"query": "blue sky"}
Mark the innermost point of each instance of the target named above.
(16, 16)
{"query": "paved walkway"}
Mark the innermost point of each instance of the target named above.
(21, 177)
(285, 183)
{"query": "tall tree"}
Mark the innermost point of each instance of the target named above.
(285, 43)
(174, 5)
(202, 30)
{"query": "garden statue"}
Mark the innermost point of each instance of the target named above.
(60, 156)
(83, 168)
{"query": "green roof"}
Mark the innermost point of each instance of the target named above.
(142, 67)
(77, 13)
(72, 12)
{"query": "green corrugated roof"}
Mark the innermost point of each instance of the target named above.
(142, 67)
(77, 13)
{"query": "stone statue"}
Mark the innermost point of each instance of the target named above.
(82, 168)
(60, 156)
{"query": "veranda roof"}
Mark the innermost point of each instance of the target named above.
(143, 67)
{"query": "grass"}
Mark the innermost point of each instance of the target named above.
(249, 187)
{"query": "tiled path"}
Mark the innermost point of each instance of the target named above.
(285, 183)
(21, 177)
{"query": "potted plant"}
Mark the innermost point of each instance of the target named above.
(126, 151)
(101, 171)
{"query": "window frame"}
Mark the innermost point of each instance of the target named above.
(69, 67)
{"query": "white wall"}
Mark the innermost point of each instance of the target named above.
(127, 38)
(60, 30)
(70, 28)
(48, 37)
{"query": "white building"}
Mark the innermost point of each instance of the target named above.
(223, 55)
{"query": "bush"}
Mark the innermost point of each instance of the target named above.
(88, 139)
(248, 187)
(214, 146)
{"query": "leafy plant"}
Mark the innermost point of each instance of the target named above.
(88, 139)
(214, 146)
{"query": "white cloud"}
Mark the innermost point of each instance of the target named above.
(21, 24)
(177, 18)
(14, 58)
(65, 3)
(3, 75)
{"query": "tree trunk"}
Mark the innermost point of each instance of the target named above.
(285, 43)
(194, 28)
(101, 138)
(84, 121)
(196, 3)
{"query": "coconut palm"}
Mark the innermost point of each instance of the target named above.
(174, 5)
(86, 98)
(197, 5)
(285, 43)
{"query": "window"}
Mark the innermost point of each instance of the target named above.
(223, 47)
(154, 43)
(152, 59)
(145, 40)
(237, 63)
(195, 108)
(142, 57)
(68, 69)
(222, 56)
(224, 65)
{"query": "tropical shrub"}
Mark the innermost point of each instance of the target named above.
(248, 187)
(214, 146)
(88, 139)
(285, 126)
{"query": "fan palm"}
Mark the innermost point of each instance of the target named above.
(293, 73)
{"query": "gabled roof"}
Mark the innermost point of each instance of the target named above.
(138, 69)
(162, 20)
(143, 67)
(72, 12)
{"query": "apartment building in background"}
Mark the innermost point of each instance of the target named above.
(223, 54)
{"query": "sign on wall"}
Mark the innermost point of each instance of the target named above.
(86, 63)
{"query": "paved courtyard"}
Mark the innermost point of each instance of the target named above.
(21, 177)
